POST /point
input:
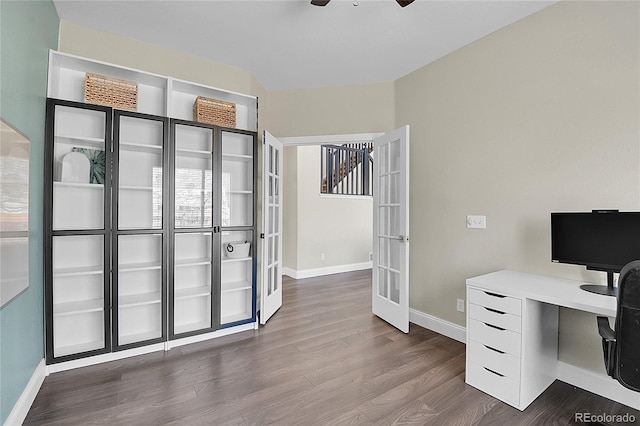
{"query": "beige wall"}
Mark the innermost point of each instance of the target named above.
(339, 228)
(541, 116)
(103, 46)
(332, 110)
(325, 111)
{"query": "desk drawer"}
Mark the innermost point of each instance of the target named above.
(501, 387)
(501, 362)
(495, 301)
(495, 317)
(503, 340)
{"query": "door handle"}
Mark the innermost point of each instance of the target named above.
(401, 238)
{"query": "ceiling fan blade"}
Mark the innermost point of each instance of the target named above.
(404, 3)
(320, 2)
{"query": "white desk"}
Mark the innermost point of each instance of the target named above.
(556, 291)
(512, 331)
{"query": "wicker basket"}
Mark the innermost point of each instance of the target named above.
(214, 111)
(109, 91)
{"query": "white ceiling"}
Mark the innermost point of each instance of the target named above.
(289, 44)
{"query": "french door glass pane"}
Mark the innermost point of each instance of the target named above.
(140, 173)
(79, 168)
(382, 282)
(192, 281)
(193, 177)
(237, 276)
(237, 179)
(139, 288)
(78, 294)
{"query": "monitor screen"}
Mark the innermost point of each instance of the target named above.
(600, 241)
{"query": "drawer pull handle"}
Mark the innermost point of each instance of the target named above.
(494, 372)
(495, 311)
(501, 296)
(495, 326)
(494, 349)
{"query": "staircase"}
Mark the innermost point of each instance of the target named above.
(347, 169)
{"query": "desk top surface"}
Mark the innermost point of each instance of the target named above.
(556, 291)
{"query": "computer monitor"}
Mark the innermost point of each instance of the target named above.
(601, 240)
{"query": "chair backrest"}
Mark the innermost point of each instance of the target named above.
(628, 326)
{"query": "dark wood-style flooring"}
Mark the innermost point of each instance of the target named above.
(322, 359)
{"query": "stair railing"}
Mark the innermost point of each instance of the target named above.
(346, 169)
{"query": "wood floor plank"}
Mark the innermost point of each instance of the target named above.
(323, 359)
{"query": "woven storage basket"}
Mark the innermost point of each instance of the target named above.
(109, 91)
(214, 111)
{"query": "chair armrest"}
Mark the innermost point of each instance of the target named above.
(605, 329)
(608, 345)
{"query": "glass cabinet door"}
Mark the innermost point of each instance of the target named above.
(78, 294)
(193, 290)
(139, 252)
(139, 288)
(77, 229)
(237, 179)
(79, 164)
(192, 282)
(193, 177)
(236, 288)
(140, 159)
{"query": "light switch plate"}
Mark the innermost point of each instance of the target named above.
(477, 222)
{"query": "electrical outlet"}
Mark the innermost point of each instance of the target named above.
(370, 255)
(477, 222)
(322, 257)
(460, 305)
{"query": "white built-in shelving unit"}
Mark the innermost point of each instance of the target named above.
(137, 253)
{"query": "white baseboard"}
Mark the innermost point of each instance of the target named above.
(600, 384)
(214, 334)
(99, 359)
(446, 328)
(317, 272)
(22, 406)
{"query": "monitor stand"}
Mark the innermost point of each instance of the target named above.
(609, 290)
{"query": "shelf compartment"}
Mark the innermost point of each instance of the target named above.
(192, 292)
(80, 141)
(237, 157)
(78, 206)
(78, 348)
(184, 93)
(236, 286)
(240, 316)
(240, 259)
(67, 75)
(235, 305)
(78, 185)
(78, 333)
(78, 270)
(193, 153)
(192, 313)
(184, 263)
(78, 307)
(139, 337)
(140, 147)
(194, 326)
(141, 319)
(143, 266)
(133, 300)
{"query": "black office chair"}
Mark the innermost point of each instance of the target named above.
(622, 347)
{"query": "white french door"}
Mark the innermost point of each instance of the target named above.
(390, 288)
(271, 295)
